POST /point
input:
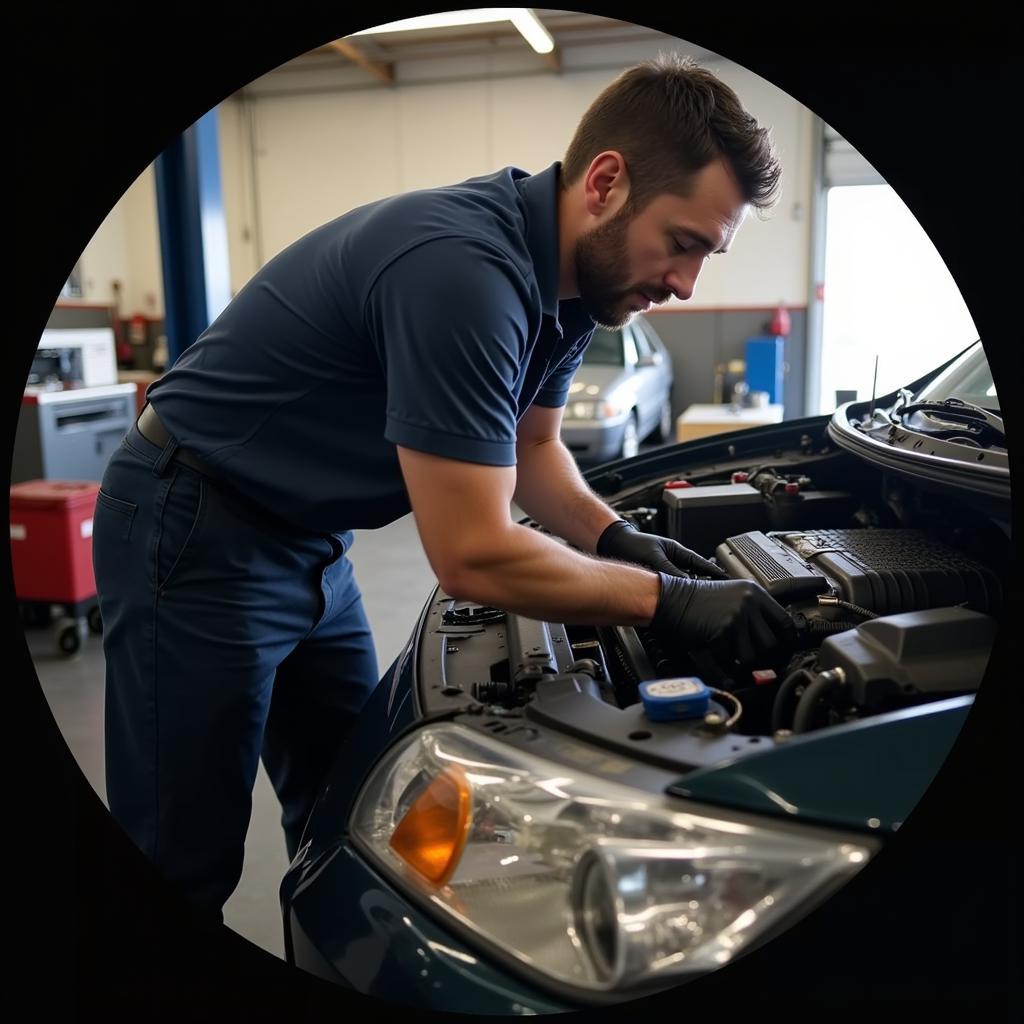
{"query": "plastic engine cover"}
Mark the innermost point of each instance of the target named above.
(934, 653)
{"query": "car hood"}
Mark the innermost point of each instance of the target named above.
(940, 443)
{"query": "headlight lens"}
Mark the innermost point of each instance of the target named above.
(591, 410)
(594, 885)
(579, 410)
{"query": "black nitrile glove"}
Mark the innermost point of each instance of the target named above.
(625, 542)
(735, 616)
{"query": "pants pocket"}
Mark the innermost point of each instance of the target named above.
(117, 515)
(180, 525)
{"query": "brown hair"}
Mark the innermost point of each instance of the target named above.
(670, 118)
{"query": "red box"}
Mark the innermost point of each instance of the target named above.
(51, 540)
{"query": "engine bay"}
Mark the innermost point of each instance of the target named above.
(893, 590)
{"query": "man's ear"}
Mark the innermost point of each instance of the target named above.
(606, 184)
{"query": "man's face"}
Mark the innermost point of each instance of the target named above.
(628, 263)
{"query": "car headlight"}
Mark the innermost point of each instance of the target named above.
(580, 410)
(591, 884)
(591, 410)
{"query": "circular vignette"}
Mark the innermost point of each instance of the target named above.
(100, 95)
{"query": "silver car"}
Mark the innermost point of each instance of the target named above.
(621, 394)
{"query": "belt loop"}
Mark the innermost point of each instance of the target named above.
(165, 456)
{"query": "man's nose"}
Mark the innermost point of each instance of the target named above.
(682, 277)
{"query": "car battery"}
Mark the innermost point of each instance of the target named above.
(51, 540)
(700, 518)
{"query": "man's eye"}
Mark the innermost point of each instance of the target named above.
(678, 246)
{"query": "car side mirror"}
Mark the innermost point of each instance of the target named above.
(648, 361)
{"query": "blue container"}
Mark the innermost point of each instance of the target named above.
(666, 700)
(765, 365)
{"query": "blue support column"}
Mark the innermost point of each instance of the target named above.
(193, 234)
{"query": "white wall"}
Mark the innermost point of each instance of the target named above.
(236, 167)
(291, 162)
(770, 259)
(143, 283)
(126, 249)
(106, 257)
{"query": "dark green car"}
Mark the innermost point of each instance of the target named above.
(536, 817)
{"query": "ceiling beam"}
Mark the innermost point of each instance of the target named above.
(553, 60)
(385, 72)
(596, 27)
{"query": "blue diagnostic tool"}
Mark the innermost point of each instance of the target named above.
(666, 700)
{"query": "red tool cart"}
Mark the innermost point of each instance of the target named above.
(51, 554)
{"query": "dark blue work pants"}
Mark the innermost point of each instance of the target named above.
(227, 634)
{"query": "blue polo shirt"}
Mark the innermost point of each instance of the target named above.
(429, 320)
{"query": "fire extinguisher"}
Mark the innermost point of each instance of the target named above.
(780, 324)
(138, 329)
(122, 347)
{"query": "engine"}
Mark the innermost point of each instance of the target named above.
(893, 595)
(893, 590)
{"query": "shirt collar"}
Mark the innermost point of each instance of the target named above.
(540, 203)
(539, 192)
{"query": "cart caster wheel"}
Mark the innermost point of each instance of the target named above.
(69, 640)
(95, 622)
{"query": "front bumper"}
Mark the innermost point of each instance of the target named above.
(594, 440)
(384, 947)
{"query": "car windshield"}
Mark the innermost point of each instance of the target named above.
(967, 378)
(604, 349)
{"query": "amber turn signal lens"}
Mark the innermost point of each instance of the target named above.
(431, 836)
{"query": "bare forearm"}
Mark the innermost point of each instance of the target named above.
(524, 572)
(550, 490)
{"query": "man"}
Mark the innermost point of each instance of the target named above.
(413, 352)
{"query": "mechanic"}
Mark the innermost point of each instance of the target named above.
(415, 352)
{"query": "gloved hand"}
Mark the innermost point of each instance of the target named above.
(735, 616)
(625, 542)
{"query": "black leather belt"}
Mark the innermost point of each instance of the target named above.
(156, 433)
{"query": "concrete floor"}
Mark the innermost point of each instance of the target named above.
(395, 579)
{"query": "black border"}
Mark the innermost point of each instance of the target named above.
(101, 89)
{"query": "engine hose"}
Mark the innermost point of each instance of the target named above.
(780, 707)
(850, 606)
(713, 719)
(809, 699)
(626, 664)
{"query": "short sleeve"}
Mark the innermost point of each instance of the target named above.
(449, 322)
(554, 391)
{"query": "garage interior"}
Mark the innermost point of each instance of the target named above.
(376, 114)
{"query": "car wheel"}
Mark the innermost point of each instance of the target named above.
(663, 432)
(630, 438)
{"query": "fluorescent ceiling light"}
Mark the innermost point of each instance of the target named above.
(531, 29)
(522, 17)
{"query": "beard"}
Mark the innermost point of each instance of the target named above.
(601, 267)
